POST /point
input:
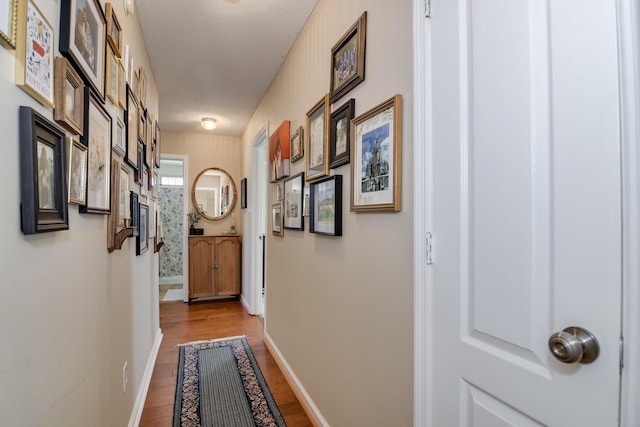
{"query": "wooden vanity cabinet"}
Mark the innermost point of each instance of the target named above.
(214, 266)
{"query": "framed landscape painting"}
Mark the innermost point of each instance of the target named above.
(326, 206)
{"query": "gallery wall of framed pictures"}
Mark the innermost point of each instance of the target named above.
(105, 146)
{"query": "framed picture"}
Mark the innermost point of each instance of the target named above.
(152, 219)
(97, 138)
(149, 154)
(120, 138)
(43, 183)
(317, 163)
(297, 145)
(279, 152)
(243, 193)
(277, 226)
(326, 206)
(306, 200)
(82, 39)
(279, 191)
(8, 13)
(122, 86)
(339, 136)
(34, 53)
(135, 213)
(293, 202)
(112, 77)
(140, 169)
(376, 158)
(142, 95)
(348, 59)
(142, 240)
(112, 219)
(69, 96)
(156, 136)
(132, 129)
(124, 205)
(142, 126)
(76, 171)
(135, 85)
(114, 31)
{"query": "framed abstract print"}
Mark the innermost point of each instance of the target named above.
(76, 171)
(83, 39)
(34, 53)
(293, 187)
(43, 180)
(326, 206)
(376, 158)
(348, 59)
(317, 153)
(97, 138)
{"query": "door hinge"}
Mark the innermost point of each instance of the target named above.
(621, 354)
(429, 248)
(427, 8)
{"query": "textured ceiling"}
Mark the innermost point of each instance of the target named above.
(217, 57)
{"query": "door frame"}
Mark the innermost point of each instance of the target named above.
(255, 218)
(185, 229)
(629, 45)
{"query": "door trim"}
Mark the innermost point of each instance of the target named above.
(629, 45)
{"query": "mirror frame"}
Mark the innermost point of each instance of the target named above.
(195, 202)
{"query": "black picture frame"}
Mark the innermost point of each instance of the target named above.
(142, 239)
(91, 64)
(326, 206)
(135, 213)
(348, 59)
(139, 170)
(340, 134)
(292, 204)
(131, 120)
(243, 193)
(98, 200)
(43, 207)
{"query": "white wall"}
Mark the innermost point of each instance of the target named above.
(340, 309)
(70, 314)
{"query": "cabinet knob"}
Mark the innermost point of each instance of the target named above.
(214, 267)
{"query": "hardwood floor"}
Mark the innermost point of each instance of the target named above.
(204, 320)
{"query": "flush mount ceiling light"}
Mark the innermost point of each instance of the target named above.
(209, 123)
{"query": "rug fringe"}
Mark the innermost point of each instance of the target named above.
(213, 340)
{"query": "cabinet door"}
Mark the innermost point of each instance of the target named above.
(201, 267)
(228, 266)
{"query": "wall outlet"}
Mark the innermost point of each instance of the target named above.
(125, 378)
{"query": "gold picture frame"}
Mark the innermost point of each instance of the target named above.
(277, 220)
(77, 157)
(34, 53)
(122, 86)
(317, 139)
(113, 86)
(69, 95)
(114, 31)
(8, 17)
(376, 158)
(348, 59)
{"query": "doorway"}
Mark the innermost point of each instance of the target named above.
(173, 203)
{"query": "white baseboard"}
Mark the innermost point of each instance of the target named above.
(305, 400)
(138, 406)
(171, 280)
(245, 304)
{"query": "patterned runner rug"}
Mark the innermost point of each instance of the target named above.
(220, 384)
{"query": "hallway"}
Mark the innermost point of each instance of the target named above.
(181, 323)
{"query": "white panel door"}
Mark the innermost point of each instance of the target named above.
(526, 210)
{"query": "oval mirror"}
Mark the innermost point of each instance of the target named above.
(214, 193)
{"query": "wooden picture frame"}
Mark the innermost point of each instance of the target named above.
(317, 140)
(292, 213)
(376, 158)
(8, 16)
(87, 55)
(69, 96)
(277, 223)
(297, 145)
(148, 140)
(112, 85)
(122, 86)
(132, 129)
(326, 206)
(243, 193)
(34, 53)
(97, 138)
(142, 95)
(348, 59)
(120, 137)
(124, 205)
(43, 183)
(77, 157)
(339, 134)
(142, 240)
(279, 155)
(114, 31)
(156, 140)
